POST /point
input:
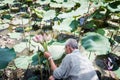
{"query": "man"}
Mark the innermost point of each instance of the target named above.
(74, 66)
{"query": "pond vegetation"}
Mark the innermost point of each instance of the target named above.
(29, 27)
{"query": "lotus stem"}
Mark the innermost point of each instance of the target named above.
(89, 55)
(39, 62)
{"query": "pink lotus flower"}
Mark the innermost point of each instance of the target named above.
(46, 37)
(38, 38)
(42, 38)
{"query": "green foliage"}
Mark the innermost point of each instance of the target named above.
(33, 78)
(49, 15)
(60, 16)
(96, 43)
(74, 24)
(101, 31)
(8, 1)
(64, 26)
(56, 50)
(20, 47)
(90, 25)
(7, 16)
(6, 56)
(22, 62)
(114, 6)
(3, 26)
(15, 35)
(117, 38)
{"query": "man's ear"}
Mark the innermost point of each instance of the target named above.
(71, 49)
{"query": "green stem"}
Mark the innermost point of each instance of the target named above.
(39, 62)
(89, 55)
(45, 46)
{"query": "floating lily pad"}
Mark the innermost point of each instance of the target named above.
(56, 50)
(96, 43)
(49, 15)
(4, 26)
(15, 35)
(6, 56)
(22, 62)
(17, 21)
(20, 47)
(64, 26)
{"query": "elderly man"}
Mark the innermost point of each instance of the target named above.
(74, 66)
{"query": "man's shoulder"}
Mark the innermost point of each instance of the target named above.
(68, 56)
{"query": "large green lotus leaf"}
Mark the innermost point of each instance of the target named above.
(68, 4)
(15, 35)
(34, 46)
(1, 6)
(56, 50)
(79, 11)
(6, 16)
(20, 47)
(90, 25)
(117, 38)
(6, 55)
(37, 60)
(67, 15)
(18, 21)
(101, 31)
(34, 59)
(3, 26)
(8, 1)
(42, 2)
(55, 5)
(64, 26)
(74, 24)
(84, 5)
(114, 6)
(39, 13)
(83, 8)
(49, 15)
(95, 42)
(77, 1)
(22, 62)
(59, 1)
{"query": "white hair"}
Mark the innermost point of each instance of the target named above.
(72, 43)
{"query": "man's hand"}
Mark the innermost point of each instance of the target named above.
(47, 54)
(51, 78)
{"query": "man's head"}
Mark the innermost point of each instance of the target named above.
(70, 45)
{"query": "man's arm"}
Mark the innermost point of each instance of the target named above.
(51, 61)
(63, 70)
(52, 64)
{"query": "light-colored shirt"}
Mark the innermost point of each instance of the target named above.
(75, 66)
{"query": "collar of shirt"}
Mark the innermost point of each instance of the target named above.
(76, 51)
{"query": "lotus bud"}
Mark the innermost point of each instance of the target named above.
(38, 38)
(46, 37)
(34, 39)
(49, 37)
